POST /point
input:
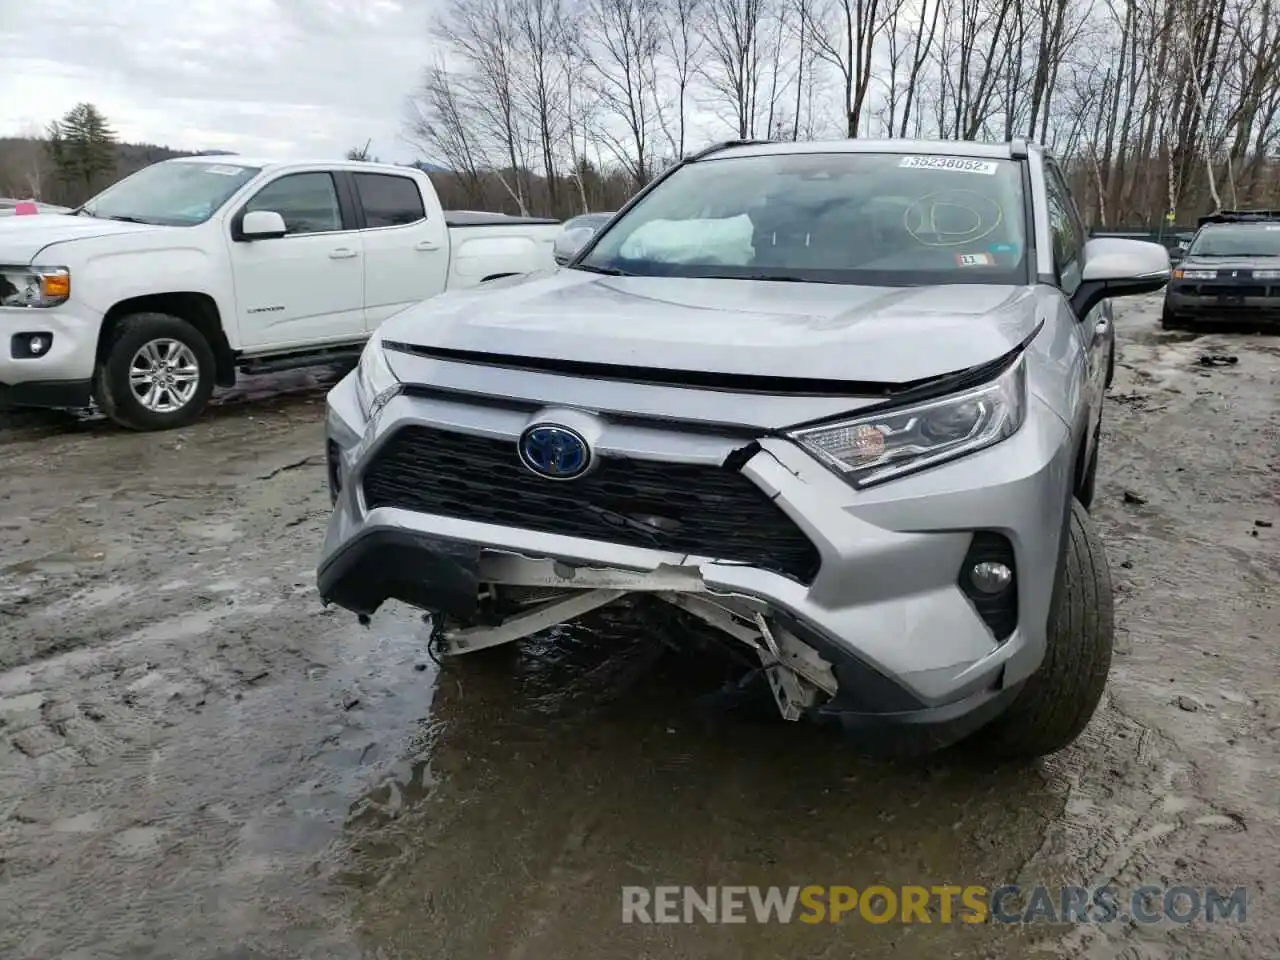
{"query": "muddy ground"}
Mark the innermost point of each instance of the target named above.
(197, 760)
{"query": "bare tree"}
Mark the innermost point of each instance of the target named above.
(439, 125)
(683, 50)
(1154, 107)
(540, 23)
(844, 35)
(623, 43)
(732, 70)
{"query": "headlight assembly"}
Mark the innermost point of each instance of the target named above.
(376, 383)
(1195, 274)
(34, 286)
(880, 446)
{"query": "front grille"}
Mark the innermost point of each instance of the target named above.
(1232, 290)
(707, 511)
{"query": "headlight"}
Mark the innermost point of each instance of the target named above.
(34, 286)
(881, 446)
(1195, 274)
(1266, 274)
(376, 384)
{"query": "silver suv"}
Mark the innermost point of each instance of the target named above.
(840, 400)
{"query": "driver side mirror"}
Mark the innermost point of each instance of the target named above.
(570, 242)
(262, 225)
(1119, 268)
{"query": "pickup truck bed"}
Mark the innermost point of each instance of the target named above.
(481, 218)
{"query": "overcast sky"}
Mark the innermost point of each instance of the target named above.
(284, 78)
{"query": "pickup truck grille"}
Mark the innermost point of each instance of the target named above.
(708, 511)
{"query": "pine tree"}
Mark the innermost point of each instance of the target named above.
(83, 148)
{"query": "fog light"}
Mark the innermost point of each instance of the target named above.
(25, 346)
(990, 578)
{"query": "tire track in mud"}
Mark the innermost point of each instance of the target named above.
(183, 775)
(122, 665)
(1147, 799)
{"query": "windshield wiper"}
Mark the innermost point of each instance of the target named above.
(770, 277)
(130, 220)
(607, 271)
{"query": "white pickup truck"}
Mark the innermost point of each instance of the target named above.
(171, 281)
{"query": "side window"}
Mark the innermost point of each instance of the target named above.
(388, 200)
(1064, 221)
(307, 201)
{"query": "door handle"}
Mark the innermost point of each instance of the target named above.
(342, 253)
(426, 245)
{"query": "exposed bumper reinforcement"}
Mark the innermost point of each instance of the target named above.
(810, 675)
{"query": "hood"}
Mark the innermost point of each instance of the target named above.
(22, 238)
(1228, 263)
(888, 335)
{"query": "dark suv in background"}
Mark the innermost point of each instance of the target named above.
(1231, 271)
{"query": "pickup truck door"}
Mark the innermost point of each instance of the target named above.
(406, 242)
(307, 287)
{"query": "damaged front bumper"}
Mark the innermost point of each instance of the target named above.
(883, 635)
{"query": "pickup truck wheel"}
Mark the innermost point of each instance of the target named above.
(1057, 701)
(157, 373)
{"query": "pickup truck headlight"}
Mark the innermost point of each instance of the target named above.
(1266, 274)
(881, 446)
(1195, 274)
(376, 384)
(34, 286)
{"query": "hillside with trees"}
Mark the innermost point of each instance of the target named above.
(77, 156)
(1160, 108)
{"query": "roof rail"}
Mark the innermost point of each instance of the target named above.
(1018, 149)
(1241, 216)
(723, 145)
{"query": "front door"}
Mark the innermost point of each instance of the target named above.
(307, 287)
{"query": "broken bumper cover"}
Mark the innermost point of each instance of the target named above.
(907, 646)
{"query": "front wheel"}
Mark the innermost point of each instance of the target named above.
(157, 373)
(1058, 700)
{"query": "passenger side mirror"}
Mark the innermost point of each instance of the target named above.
(570, 242)
(262, 225)
(1114, 267)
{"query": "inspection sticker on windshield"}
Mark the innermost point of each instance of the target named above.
(974, 260)
(224, 171)
(954, 164)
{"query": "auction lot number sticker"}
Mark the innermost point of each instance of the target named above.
(954, 164)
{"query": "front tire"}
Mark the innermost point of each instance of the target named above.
(157, 373)
(1169, 322)
(1058, 700)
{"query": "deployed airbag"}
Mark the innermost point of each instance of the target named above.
(726, 240)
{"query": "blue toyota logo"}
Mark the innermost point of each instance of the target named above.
(554, 452)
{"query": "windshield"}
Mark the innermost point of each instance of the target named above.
(857, 218)
(176, 194)
(586, 220)
(1255, 240)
